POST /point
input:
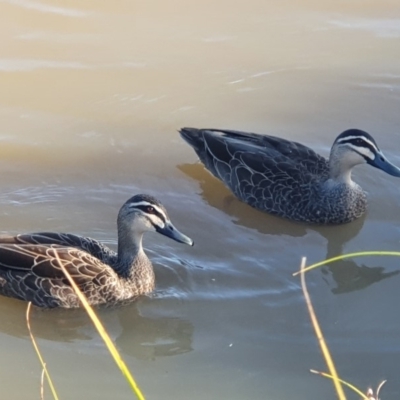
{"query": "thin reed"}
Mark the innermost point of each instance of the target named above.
(318, 333)
(36, 347)
(103, 333)
(370, 395)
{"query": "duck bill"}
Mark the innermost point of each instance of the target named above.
(381, 162)
(170, 231)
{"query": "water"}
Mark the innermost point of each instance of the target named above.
(93, 94)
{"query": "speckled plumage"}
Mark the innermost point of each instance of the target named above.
(30, 271)
(286, 178)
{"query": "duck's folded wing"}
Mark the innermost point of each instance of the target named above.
(92, 246)
(222, 144)
(244, 165)
(40, 261)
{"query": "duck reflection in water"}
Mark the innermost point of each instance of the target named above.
(139, 329)
(347, 274)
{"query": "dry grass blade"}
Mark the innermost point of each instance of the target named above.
(370, 392)
(42, 385)
(35, 346)
(379, 388)
(103, 333)
(320, 337)
(350, 255)
(349, 385)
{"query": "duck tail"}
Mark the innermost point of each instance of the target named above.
(194, 137)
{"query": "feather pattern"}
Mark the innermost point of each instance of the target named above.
(286, 178)
(29, 269)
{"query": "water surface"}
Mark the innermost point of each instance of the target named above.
(93, 94)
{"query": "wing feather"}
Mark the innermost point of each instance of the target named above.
(221, 146)
(40, 262)
(92, 246)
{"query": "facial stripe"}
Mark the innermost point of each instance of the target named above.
(364, 151)
(156, 221)
(142, 205)
(351, 139)
(366, 148)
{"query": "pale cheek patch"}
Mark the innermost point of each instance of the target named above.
(143, 225)
(156, 220)
(364, 151)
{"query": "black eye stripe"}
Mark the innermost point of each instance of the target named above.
(154, 211)
(359, 142)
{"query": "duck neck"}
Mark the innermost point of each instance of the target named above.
(340, 169)
(130, 253)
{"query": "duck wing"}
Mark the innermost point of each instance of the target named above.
(272, 146)
(32, 272)
(41, 261)
(92, 246)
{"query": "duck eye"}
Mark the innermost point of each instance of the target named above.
(150, 209)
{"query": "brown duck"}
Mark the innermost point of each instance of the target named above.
(29, 269)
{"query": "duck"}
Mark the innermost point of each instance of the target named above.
(288, 179)
(30, 270)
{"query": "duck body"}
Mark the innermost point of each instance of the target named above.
(286, 178)
(87, 261)
(30, 270)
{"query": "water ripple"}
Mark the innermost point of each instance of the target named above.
(8, 65)
(11, 65)
(380, 27)
(45, 8)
